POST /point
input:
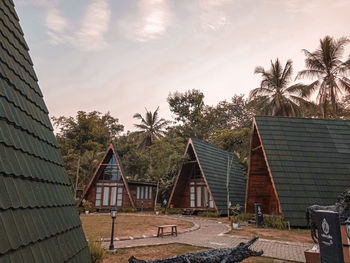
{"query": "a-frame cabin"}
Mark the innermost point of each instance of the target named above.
(108, 187)
(201, 181)
(295, 163)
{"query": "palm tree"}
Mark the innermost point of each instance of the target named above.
(326, 65)
(151, 126)
(275, 96)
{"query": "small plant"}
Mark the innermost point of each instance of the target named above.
(209, 214)
(127, 210)
(96, 251)
(273, 221)
(81, 209)
(174, 211)
(88, 206)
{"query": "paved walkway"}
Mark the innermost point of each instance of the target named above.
(211, 234)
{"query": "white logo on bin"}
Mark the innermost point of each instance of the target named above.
(325, 226)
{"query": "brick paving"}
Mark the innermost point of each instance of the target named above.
(211, 234)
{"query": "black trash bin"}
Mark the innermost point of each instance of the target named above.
(259, 218)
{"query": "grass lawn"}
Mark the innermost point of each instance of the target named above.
(163, 251)
(99, 226)
(293, 235)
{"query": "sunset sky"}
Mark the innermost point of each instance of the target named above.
(123, 55)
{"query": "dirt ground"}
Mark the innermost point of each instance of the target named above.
(293, 235)
(164, 251)
(99, 226)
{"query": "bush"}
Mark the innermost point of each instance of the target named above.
(174, 211)
(88, 206)
(81, 210)
(272, 221)
(210, 214)
(244, 217)
(127, 210)
(97, 252)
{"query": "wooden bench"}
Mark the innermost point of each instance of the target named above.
(161, 230)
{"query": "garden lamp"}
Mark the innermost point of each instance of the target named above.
(113, 215)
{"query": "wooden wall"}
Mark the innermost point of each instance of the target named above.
(147, 203)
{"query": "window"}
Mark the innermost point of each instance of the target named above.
(192, 197)
(105, 196)
(141, 197)
(138, 193)
(113, 195)
(146, 192)
(150, 192)
(211, 203)
(120, 196)
(98, 196)
(205, 197)
(199, 196)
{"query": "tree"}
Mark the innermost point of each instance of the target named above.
(81, 140)
(152, 127)
(166, 156)
(326, 65)
(275, 96)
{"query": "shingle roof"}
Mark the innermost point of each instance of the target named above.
(38, 218)
(309, 161)
(214, 161)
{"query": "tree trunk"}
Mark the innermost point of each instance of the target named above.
(221, 255)
(76, 179)
(156, 197)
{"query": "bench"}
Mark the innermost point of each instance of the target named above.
(161, 230)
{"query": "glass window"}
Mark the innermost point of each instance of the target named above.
(205, 196)
(211, 203)
(199, 196)
(98, 196)
(146, 192)
(192, 197)
(120, 196)
(141, 197)
(150, 192)
(113, 195)
(105, 196)
(138, 193)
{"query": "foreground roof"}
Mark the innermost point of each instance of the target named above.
(214, 162)
(38, 218)
(309, 161)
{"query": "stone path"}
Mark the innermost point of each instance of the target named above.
(211, 234)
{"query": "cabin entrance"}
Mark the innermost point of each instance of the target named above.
(199, 195)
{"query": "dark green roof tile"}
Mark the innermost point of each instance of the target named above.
(309, 160)
(38, 218)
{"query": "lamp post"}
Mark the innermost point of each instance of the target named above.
(113, 215)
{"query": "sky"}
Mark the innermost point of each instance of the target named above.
(123, 56)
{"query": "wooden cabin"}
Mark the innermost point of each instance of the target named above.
(295, 163)
(109, 187)
(143, 193)
(201, 181)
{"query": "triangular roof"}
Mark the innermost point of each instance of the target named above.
(309, 160)
(38, 218)
(213, 163)
(107, 156)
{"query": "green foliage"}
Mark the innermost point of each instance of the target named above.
(273, 221)
(244, 217)
(127, 210)
(275, 97)
(174, 211)
(209, 214)
(96, 251)
(88, 206)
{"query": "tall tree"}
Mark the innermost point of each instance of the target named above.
(151, 126)
(326, 65)
(275, 96)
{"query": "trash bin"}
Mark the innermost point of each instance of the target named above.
(259, 218)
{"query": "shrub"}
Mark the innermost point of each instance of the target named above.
(174, 211)
(210, 214)
(244, 217)
(97, 252)
(127, 210)
(81, 210)
(273, 221)
(88, 206)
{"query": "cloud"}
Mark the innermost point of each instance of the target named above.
(151, 23)
(93, 26)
